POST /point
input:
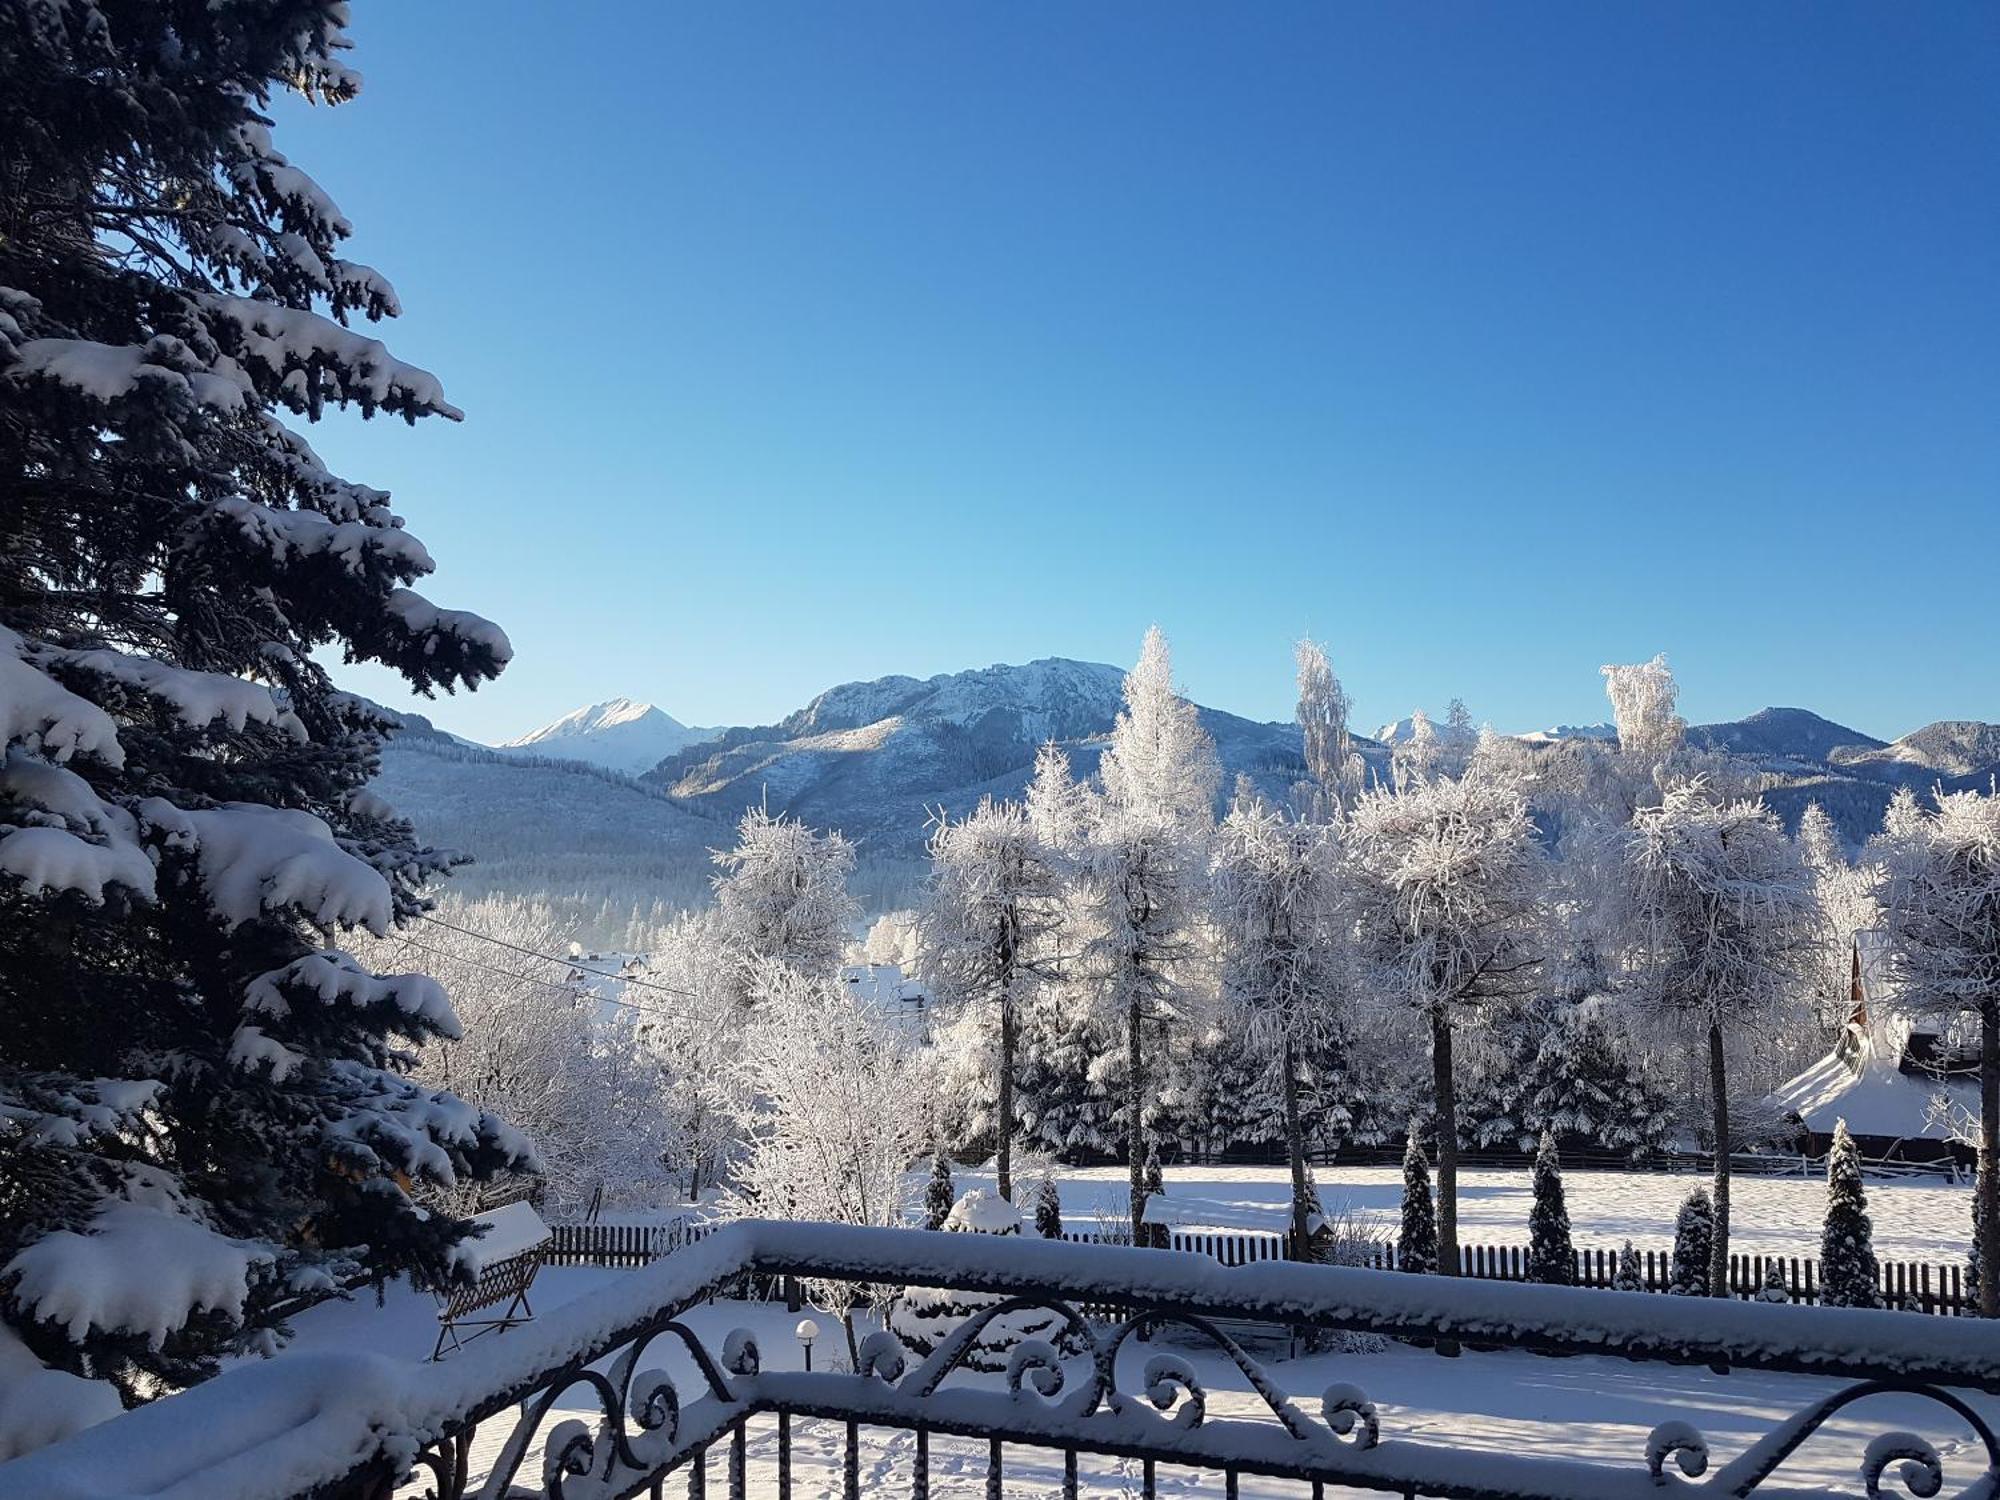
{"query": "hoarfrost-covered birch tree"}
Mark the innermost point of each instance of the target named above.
(1722, 925)
(837, 1110)
(1335, 773)
(1938, 885)
(1643, 696)
(991, 908)
(1144, 864)
(1448, 879)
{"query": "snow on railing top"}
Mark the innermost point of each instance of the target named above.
(287, 1427)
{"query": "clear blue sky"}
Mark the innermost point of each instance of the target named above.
(802, 343)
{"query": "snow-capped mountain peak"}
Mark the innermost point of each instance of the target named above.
(622, 734)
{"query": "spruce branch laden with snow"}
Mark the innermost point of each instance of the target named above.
(203, 1106)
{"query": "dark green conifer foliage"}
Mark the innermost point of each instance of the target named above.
(1417, 1238)
(1847, 1271)
(186, 1057)
(1551, 1256)
(1694, 1238)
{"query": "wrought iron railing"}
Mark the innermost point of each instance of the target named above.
(363, 1427)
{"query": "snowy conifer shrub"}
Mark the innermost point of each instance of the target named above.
(202, 1105)
(1773, 1289)
(923, 1317)
(1628, 1277)
(1694, 1241)
(1416, 1238)
(1973, 1257)
(1848, 1276)
(1157, 1236)
(939, 1193)
(1048, 1208)
(1551, 1256)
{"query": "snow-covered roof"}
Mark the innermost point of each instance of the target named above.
(1860, 1082)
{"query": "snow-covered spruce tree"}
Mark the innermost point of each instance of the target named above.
(1145, 859)
(1774, 1288)
(1694, 1245)
(1628, 1278)
(1938, 887)
(1447, 877)
(1275, 884)
(1048, 1208)
(1416, 1234)
(1221, 1093)
(1582, 1079)
(1848, 1275)
(836, 1112)
(939, 1193)
(992, 906)
(923, 1317)
(201, 1108)
(1723, 921)
(781, 896)
(1551, 1256)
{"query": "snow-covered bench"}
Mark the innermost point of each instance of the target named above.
(504, 1261)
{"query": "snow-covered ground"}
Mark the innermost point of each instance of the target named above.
(1598, 1410)
(1916, 1218)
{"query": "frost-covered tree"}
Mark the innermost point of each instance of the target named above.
(781, 896)
(1722, 923)
(992, 908)
(1642, 705)
(1939, 890)
(1145, 861)
(837, 1111)
(690, 1027)
(1774, 1288)
(1848, 1276)
(1448, 875)
(1416, 1233)
(1334, 772)
(1417, 759)
(202, 1108)
(1551, 1256)
(1842, 908)
(939, 1193)
(1275, 910)
(538, 1045)
(1694, 1246)
(1628, 1277)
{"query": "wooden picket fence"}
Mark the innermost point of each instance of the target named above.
(1917, 1286)
(598, 1244)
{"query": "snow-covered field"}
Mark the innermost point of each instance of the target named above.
(1593, 1409)
(1916, 1218)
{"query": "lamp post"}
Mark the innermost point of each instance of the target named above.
(807, 1331)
